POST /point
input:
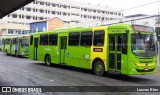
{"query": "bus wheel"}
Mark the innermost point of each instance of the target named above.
(99, 68)
(48, 60)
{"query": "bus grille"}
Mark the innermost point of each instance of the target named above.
(146, 58)
(146, 61)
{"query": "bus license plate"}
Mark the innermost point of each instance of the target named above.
(146, 69)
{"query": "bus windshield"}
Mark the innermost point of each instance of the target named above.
(144, 45)
(25, 42)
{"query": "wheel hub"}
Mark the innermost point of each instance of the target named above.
(99, 68)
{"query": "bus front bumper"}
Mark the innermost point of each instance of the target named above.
(143, 71)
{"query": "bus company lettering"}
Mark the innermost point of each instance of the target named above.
(47, 49)
(116, 31)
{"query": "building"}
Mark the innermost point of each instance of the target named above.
(10, 29)
(67, 11)
(46, 25)
(141, 19)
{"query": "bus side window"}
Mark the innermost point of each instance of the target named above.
(3, 41)
(112, 43)
(74, 39)
(44, 39)
(124, 44)
(8, 41)
(98, 38)
(14, 41)
(86, 38)
(53, 39)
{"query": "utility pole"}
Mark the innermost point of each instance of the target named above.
(158, 20)
(158, 31)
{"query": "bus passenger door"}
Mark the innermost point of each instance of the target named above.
(3, 43)
(112, 51)
(63, 46)
(10, 49)
(35, 48)
(119, 52)
(115, 51)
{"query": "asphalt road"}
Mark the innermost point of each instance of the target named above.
(25, 72)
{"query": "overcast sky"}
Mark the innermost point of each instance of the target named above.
(153, 8)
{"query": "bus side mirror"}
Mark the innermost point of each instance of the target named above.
(157, 30)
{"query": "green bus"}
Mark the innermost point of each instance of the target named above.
(120, 48)
(16, 45)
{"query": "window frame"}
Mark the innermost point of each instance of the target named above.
(86, 38)
(53, 39)
(42, 39)
(71, 39)
(96, 38)
(14, 41)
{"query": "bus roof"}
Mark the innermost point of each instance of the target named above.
(81, 29)
(121, 26)
(143, 28)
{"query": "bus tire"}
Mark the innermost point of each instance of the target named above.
(99, 68)
(48, 60)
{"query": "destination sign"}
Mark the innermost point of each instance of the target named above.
(98, 49)
(143, 28)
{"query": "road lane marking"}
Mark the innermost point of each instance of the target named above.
(36, 75)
